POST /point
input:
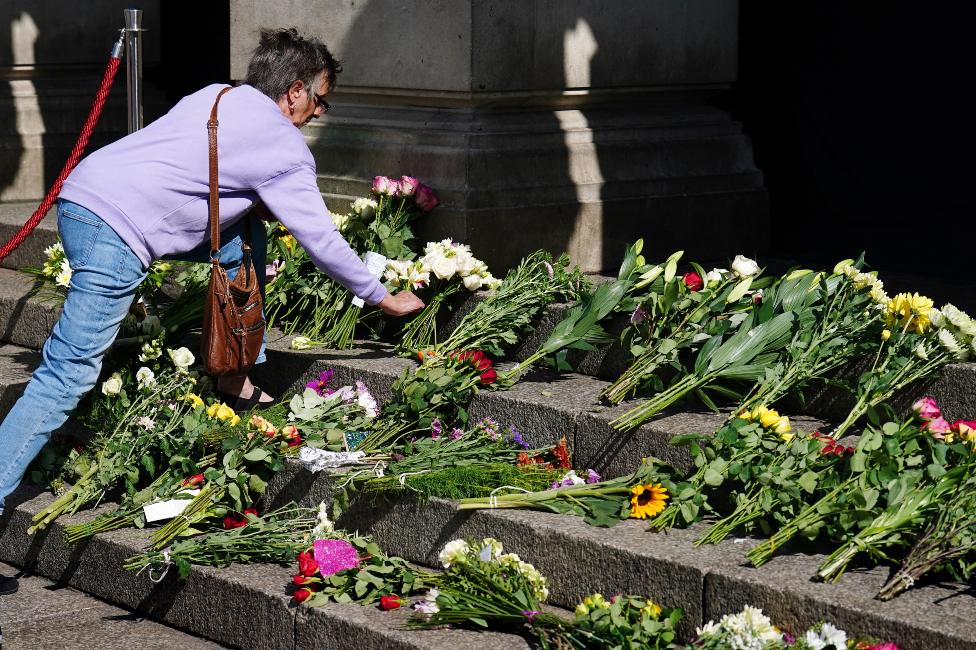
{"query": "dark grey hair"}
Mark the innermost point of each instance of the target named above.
(284, 56)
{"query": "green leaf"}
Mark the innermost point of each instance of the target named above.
(808, 481)
(234, 491)
(256, 455)
(738, 291)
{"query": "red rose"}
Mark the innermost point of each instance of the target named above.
(234, 520)
(693, 281)
(251, 511)
(300, 580)
(301, 595)
(307, 565)
(390, 602)
(294, 442)
(196, 479)
(489, 376)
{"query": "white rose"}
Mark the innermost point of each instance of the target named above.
(340, 221)
(472, 282)
(466, 263)
(491, 282)
(444, 268)
(145, 377)
(715, 276)
(112, 385)
(744, 267)
(182, 358)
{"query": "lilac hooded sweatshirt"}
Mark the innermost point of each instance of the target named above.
(152, 186)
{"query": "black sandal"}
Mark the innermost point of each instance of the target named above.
(242, 405)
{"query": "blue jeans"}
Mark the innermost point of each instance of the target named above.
(105, 276)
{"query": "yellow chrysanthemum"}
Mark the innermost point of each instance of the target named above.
(651, 610)
(193, 399)
(647, 500)
(909, 311)
(885, 334)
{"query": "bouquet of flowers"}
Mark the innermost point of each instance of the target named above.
(484, 587)
(948, 541)
(307, 302)
(580, 329)
(917, 341)
(890, 474)
(508, 311)
(325, 415)
(839, 322)
(342, 567)
(750, 628)
(600, 503)
(677, 314)
(254, 451)
(149, 427)
(439, 389)
(276, 537)
(452, 266)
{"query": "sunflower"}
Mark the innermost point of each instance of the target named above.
(647, 500)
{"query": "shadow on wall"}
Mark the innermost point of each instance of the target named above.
(51, 63)
(11, 145)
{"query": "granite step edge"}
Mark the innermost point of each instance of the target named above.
(628, 558)
(225, 604)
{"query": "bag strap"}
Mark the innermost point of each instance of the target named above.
(214, 198)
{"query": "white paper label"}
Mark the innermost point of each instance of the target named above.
(169, 508)
(376, 264)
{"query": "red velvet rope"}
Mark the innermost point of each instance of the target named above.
(76, 153)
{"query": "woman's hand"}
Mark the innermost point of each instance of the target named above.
(401, 304)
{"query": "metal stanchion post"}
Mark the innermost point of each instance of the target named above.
(133, 66)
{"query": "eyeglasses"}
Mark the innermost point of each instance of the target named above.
(318, 99)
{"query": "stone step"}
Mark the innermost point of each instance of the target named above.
(706, 582)
(579, 559)
(25, 319)
(242, 606)
(46, 615)
(13, 215)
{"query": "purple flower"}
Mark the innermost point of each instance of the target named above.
(549, 270)
(592, 477)
(530, 614)
(788, 638)
(435, 428)
(639, 316)
(456, 433)
(320, 385)
(556, 485)
(517, 437)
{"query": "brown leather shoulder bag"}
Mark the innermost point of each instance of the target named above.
(233, 316)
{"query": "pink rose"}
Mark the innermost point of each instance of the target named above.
(938, 426)
(383, 186)
(408, 185)
(425, 198)
(887, 645)
(927, 408)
